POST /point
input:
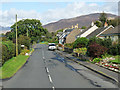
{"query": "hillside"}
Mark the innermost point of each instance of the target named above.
(84, 20)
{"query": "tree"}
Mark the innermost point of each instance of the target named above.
(80, 42)
(98, 23)
(103, 18)
(83, 27)
(96, 50)
(114, 22)
(33, 26)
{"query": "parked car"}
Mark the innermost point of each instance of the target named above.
(52, 46)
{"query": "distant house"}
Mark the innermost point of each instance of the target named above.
(63, 35)
(71, 37)
(87, 31)
(93, 30)
(113, 33)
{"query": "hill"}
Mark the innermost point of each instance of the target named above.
(84, 20)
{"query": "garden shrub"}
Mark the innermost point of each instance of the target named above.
(96, 50)
(114, 50)
(69, 45)
(81, 51)
(24, 40)
(10, 48)
(80, 42)
(96, 60)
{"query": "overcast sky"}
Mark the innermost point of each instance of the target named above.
(48, 12)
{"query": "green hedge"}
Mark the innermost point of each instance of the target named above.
(8, 50)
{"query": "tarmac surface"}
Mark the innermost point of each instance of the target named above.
(48, 69)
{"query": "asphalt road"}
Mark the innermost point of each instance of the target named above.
(46, 69)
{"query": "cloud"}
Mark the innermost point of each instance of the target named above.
(73, 9)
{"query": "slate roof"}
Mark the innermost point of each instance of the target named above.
(96, 32)
(114, 30)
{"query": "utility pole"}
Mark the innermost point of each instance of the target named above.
(27, 32)
(16, 38)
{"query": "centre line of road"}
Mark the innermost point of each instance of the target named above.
(47, 70)
(50, 78)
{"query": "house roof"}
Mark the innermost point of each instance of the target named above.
(97, 31)
(83, 31)
(111, 31)
(68, 30)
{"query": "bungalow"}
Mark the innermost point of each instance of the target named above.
(93, 30)
(113, 33)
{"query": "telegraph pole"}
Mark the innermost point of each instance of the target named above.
(16, 38)
(27, 32)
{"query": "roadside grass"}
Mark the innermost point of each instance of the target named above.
(117, 59)
(44, 43)
(12, 66)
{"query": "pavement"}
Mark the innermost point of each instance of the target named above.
(48, 69)
(105, 72)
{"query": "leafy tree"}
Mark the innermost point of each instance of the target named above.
(96, 50)
(33, 26)
(61, 30)
(103, 18)
(83, 27)
(114, 22)
(98, 23)
(80, 42)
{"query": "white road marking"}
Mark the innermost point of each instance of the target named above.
(50, 78)
(43, 57)
(53, 88)
(47, 70)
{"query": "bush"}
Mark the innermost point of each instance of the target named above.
(8, 50)
(96, 50)
(81, 51)
(114, 50)
(96, 60)
(106, 42)
(69, 45)
(80, 42)
(24, 40)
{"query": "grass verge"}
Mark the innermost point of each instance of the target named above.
(12, 66)
(44, 43)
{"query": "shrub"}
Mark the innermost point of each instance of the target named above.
(114, 50)
(69, 45)
(81, 50)
(80, 42)
(96, 60)
(96, 50)
(8, 50)
(24, 40)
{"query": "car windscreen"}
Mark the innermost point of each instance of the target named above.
(52, 45)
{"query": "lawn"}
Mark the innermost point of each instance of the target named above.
(117, 59)
(12, 66)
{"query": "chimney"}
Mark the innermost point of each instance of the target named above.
(105, 25)
(92, 24)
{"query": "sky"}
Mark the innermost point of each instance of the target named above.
(48, 12)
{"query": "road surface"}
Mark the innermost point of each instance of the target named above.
(46, 69)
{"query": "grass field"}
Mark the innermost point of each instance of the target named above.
(12, 66)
